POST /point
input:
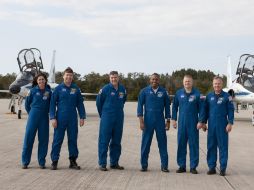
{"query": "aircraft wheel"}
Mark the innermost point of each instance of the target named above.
(13, 109)
(19, 114)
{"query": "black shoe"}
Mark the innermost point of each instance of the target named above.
(222, 172)
(73, 164)
(42, 167)
(54, 165)
(143, 169)
(117, 167)
(181, 170)
(24, 167)
(164, 169)
(193, 171)
(103, 168)
(211, 171)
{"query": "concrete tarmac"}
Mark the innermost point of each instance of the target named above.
(240, 172)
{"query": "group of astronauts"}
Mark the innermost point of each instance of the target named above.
(190, 113)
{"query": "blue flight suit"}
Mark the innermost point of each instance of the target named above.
(110, 103)
(152, 105)
(189, 105)
(219, 110)
(67, 100)
(37, 107)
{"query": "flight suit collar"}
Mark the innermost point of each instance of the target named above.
(158, 89)
(111, 86)
(192, 91)
(63, 84)
(38, 89)
(218, 95)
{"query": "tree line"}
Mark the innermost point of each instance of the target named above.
(133, 82)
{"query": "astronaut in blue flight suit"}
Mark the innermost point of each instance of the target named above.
(153, 103)
(66, 100)
(110, 103)
(219, 111)
(37, 107)
(189, 103)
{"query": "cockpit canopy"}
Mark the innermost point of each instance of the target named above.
(30, 59)
(245, 71)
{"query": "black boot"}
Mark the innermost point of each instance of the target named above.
(222, 172)
(143, 169)
(164, 169)
(117, 167)
(211, 171)
(73, 164)
(181, 170)
(54, 165)
(103, 168)
(193, 171)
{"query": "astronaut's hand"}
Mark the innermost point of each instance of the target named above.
(174, 124)
(142, 125)
(81, 122)
(229, 128)
(199, 125)
(54, 123)
(167, 125)
(204, 128)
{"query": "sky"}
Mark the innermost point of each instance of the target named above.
(128, 35)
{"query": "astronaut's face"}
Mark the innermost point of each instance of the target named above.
(41, 82)
(187, 83)
(217, 85)
(154, 81)
(114, 79)
(68, 77)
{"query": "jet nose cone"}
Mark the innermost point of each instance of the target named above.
(14, 89)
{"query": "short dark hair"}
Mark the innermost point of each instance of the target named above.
(68, 70)
(155, 74)
(188, 76)
(113, 73)
(218, 78)
(37, 76)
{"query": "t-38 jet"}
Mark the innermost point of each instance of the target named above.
(30, 64)
(242, 88)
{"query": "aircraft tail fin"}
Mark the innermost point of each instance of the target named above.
(229, 73)
(52, 76)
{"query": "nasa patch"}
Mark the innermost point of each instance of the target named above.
(121, 94)
(46, 94)
(73, 90)
(160, 94)
(220, 100)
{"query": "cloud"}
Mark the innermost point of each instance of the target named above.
(107, 22)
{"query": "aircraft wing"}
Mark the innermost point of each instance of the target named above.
(89, 94)
(5, 91)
